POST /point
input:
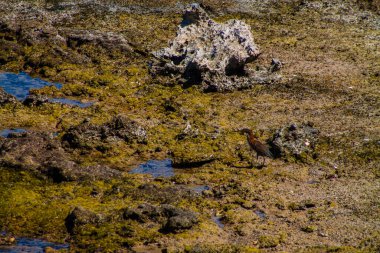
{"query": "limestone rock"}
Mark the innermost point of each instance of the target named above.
(208, 53)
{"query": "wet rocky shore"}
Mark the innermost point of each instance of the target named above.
(120, 126)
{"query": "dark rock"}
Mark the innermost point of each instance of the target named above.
(85, 135)
(35, 100)
(126, 129)
(143, 213)
(61, 171)
(208, 53)
(276, 65)
(88, 135)
(48, 158)
(173, 219)
(79, 217)
(171, 106)
(303, 205)
(178, 219)
(6, 98)
(180, 222)
(295, 140)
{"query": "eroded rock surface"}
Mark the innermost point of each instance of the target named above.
(108, 40)
(119, 128)
(295, 140)
(208, 53)
(173, 219)
(35, 100)
(78, 217)
(6, 98)
(47, 158)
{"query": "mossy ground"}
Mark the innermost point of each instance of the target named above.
(330, 77)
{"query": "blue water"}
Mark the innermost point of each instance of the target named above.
(70, 102)
(31, 246)
(19, 84)
(156, 168)
(6, 132)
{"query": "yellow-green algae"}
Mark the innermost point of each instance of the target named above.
(329, 75)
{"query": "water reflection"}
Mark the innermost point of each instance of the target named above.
(156, 168)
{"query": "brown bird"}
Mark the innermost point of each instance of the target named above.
(260, 148)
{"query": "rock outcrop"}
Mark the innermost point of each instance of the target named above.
(173, 219)
(208, 53)
(6, 98)
(47, 158)
(87, 135)
(78, 217)
(35, 100)
(295, 140)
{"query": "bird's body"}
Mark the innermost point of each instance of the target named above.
(260, 148)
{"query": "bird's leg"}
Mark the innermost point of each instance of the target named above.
(250, 162)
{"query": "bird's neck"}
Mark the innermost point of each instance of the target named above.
(251, 136)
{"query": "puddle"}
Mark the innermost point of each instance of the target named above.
(32, 246)
(156, 168)
(218, 221)
(6, 132)
(200, 188)
(261, 214)
(19, 84)
(70, 102)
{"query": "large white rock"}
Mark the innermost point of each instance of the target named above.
(209, 53)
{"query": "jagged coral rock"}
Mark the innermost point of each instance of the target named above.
(209, 53)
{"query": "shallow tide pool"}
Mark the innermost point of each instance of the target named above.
(32, 246)
(156, 168)
(20, 84)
